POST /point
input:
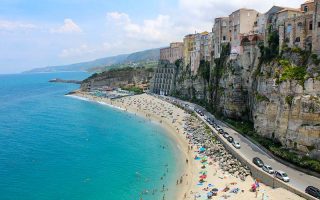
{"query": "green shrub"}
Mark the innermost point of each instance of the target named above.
(134, 89)
(292, 72)
(261, 98)
(296, 50)
(289, 100)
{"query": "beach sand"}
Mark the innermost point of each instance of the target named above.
(173, 120)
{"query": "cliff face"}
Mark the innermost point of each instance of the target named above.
(288, 110)
(267, 94)
(117, 78)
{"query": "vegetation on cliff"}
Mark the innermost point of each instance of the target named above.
(134, 89)
(291, 72)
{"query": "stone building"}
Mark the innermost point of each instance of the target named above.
(285, 14)
(197, 47)
(220, 34)
(241, 22)
(172, 53)
(300, 28)
(163, 81)
(188, 47)
(316, 31)
(270, 21)
(207, 46)
(196, 54)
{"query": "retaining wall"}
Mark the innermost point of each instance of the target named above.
(256, 172)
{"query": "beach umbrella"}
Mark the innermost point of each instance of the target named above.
(209, 194)
(210, 185)
(203, 171)
(202, 149)
(203, 176)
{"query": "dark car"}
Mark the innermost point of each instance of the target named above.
(313, 191)
(257, 161)
(226, 135)
(230, 139)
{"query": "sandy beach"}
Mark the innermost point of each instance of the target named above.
(203, 171)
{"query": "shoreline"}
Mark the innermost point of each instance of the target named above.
(171, 131)
(222, 171)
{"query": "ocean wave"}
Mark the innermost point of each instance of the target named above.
(99, 102)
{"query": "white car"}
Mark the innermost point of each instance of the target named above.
(268, 169)
(236, 144)
(282, 176)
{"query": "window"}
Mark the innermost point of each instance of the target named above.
(310, 25)
(305, 9)
(289, 28)
(297, 39)
(224, 38)
(318, 24)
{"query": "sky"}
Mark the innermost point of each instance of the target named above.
(36, 33)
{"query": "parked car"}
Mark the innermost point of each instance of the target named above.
(226, 135)
(230, 139)
(268, 169)
(236, 144)
(257, 161)
(313, 191)
(282, 176)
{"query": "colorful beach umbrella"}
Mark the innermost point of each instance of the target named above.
(202, 149)
(203, 176)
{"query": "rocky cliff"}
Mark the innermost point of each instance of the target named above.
(280, 96)
(118, 78)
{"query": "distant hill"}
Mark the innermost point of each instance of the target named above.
(137, 57)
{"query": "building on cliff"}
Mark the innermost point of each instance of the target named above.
(197, 47)
(163, 81)
(220, 34)
(172, 53)
(188, 47)
(300, 28)
(241, 22)
(316, 31)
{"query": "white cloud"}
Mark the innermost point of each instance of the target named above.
(159, 30)
(68, 27)
(206, 9)
(119, 18)
(15, 25)
(77, 51)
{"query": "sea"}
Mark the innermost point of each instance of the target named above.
(56, 147)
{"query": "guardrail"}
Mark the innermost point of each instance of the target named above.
(256, 172)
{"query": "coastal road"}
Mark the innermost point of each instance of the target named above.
(250, 150)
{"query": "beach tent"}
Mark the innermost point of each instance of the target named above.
(202, 149)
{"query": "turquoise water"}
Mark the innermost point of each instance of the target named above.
(56, 147)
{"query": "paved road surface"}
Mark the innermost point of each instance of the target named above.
(250, 150)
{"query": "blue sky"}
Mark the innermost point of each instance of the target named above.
(36, 33)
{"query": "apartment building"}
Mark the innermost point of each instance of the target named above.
(220, 34)
(172, 53)
(241, 22)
